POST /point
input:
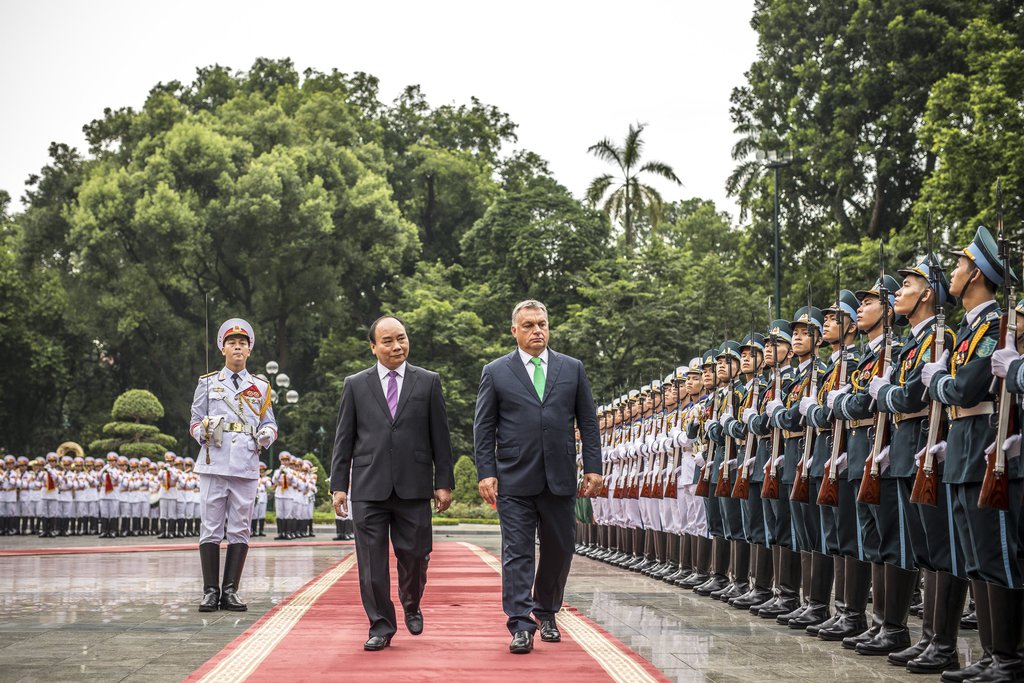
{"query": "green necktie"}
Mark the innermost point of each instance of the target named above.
(538, 377)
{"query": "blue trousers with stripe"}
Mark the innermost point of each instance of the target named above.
(890, 515)
(933, 534)
(990, 538)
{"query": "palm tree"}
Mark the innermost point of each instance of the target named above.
(631, 197)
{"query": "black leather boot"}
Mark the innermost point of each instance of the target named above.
(820, 593)
(981, 606)
(941, 654)
(761, 580)
(339, 533)
(853, 621)
(280, 530)
(877, 608)
(1005, 615)
(233, 564)
(839, 587)
(670, 565)
(789, 586)
(350, 530)
(701, 564)
(718, 580)
(901, 657)
(309, 529)
(899, 591)
(741, 571)
(209, 558)
(730, 573)
(805, 591)
(263, 523)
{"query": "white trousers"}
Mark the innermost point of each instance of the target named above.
(225, 503)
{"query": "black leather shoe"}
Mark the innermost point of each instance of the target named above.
(375, 643)
(522, 643)
(211, 600)
(229, 601)
(414, 622)
(549, 632)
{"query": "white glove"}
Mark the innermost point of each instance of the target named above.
(772, 406)
(731, 463)
(749, 464)
(778, 461)
(939, 451)
(265, 437)
(1011, 447)
(930, 369)
(728, 409)
(842, 463)
(883, 459)
(707, 426)
(699, 459)
(876, 384)
(830, 398)
(748, 415)
(805, 405)
(1002, 358)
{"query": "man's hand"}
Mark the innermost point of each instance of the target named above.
(442, 499)
(592, 484)
(341, 503)
(489, 490)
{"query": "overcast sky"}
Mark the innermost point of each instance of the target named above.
(568, 73)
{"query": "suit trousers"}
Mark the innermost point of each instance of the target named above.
(524, 518)
(407, 523)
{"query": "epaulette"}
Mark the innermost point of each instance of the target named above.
(992, 315)
(209, 374)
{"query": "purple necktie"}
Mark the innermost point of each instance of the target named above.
(392, 393)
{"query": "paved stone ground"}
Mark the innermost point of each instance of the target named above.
(131, 616)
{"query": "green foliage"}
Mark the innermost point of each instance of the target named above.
(135, 439)
(468, 511)
(138, 405)
(465, 482)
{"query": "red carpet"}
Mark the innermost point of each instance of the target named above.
(91, 549)
(318, 634)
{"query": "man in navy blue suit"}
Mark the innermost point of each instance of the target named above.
(527, 409)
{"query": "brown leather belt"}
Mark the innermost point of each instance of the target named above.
(866, 422)
(900, 417)
(985, 408)
(792, 435)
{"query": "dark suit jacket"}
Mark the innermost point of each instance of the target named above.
(527, 443)
(410, 455)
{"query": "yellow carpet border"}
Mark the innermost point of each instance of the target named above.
(612, 659)
(250, 653)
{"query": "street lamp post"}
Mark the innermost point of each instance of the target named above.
(291, 396)
(775, 161)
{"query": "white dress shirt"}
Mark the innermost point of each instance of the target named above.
(382, 372)
(530, 367)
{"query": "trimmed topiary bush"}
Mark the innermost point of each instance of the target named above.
(132, 433)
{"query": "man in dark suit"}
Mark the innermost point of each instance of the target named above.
(527, 408)
(393, 443)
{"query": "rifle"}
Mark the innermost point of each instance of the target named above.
(661, 428)
(741, 489)
(770, 487)
(828, 494)
(722, 487)
(870, 492)
(704, 484)
(801, 484)
(926, 481)
(672, 485)
(995, 488)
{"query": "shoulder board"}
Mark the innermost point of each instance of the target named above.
(993, 315)
(257, 381)
(209, 374)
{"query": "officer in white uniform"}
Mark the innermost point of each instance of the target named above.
(110, 478)
(232, 420)
(259, 510)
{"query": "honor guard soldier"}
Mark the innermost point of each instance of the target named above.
(961, 380)
(232, 420)
(259, 511)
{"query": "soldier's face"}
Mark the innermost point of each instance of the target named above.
(236, 351)
(750, 360)
(671, 395)
(803, 341)
(707, 376)
(915, 288)
(693, 383)
(830, 331)
(392, 345)
(869, 313)
(962, 276)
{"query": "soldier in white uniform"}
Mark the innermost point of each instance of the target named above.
(109, 485)
(9, 480)
(284, 485)
(152, 502)
(26, 506)
(31, 487)
(88, 497)
(232, 420)
(192, 521)
(259, 510)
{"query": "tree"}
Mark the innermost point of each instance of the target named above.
(632, 198)
(132, 433)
